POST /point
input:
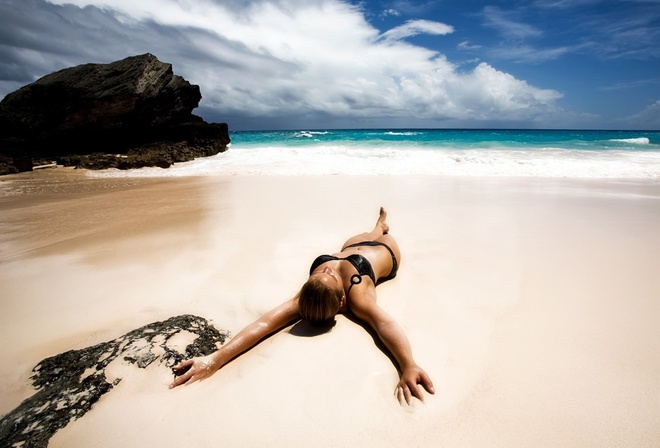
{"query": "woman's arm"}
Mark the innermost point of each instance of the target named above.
(364, 306)
(197, 369)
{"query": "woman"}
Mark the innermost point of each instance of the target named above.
(341, 283)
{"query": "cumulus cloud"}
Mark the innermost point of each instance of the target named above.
(271, 62)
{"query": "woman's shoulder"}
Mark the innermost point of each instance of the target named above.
(362, 300)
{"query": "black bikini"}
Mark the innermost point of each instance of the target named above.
(360, 263)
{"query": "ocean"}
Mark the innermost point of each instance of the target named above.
(518, 153)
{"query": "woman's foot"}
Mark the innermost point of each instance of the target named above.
(382, 217)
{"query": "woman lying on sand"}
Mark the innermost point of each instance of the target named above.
(341, 283)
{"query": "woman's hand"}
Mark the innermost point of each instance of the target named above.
(195, 369)
(407, 387)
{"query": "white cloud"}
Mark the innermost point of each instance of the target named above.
(631, 84)
(509, 27)
(316, 58)
(527, 53)
(648, 118)
(390, 12)
(415, 27)
(487, 93)
(564, 4)
(466, 45)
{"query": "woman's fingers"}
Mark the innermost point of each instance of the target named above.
(426, 382)
(415, 392)
(407, 394)
(184, 371)
(403, 394)
(183, 365)
(181, 380)
(408, 387)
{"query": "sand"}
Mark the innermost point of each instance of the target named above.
(533, 304)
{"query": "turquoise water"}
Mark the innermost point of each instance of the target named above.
(456, 138)
(517, 153)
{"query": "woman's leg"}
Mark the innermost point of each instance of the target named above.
(380, 234)
(392, 244)
(380, 229)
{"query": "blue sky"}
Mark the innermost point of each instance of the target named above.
(291, 64)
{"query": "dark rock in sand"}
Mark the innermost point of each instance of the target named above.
(69, 384)
(135, 107)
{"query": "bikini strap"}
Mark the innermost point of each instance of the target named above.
(356, 279)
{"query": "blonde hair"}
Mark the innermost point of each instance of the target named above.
(318, 303)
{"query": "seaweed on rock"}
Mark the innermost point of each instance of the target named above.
(70, 383)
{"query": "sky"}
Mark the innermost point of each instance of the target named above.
(321, 64)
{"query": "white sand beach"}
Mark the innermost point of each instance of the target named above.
(532, 303)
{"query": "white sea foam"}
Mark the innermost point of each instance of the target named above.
(351, 160)
(405, 133)
(308, 134)
(635, 141)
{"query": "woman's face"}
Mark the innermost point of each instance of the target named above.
(331, 278)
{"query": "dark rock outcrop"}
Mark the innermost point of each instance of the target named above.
(69, 384)
(135, 107)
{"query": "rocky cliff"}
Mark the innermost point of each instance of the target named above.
(126, 114)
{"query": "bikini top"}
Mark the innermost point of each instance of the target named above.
(360, 263)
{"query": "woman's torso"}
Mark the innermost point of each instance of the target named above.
(377, 256)
(359, 266)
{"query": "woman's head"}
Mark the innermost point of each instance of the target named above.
(319, 299)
